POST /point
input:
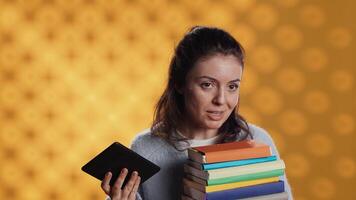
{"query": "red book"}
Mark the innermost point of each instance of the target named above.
(240, 150)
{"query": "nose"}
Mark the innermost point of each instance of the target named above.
(220, 97)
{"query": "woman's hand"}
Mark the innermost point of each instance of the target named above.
(115, 192)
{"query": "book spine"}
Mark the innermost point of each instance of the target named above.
(194, 185)
(196, 179)
(196, 172)
(194, 164)
(195, 155)
(194, 193)
(185, 197)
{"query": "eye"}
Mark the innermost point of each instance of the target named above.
(206, 85)
(233, 87)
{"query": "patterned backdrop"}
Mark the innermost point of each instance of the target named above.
(76, 75)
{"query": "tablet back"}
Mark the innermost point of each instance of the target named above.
(116, 157)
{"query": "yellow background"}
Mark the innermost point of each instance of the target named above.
(76, 75)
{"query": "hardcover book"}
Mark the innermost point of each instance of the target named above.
(234, 171)
(240, 150)
(237, 193)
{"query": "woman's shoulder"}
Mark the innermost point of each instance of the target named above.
(143, 136)
(260, 134)
(145, 143)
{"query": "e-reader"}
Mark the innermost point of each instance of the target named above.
(116, 157)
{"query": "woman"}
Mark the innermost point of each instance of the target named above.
(198, 107)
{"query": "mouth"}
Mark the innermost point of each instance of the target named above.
(215, 115)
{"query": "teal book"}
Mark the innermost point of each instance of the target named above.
(246, 177)
(234, 163)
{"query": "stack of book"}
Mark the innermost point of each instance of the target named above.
(236, 170)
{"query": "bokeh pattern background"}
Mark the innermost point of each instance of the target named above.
(76, 75)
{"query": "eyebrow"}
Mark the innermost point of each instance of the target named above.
(208, 77)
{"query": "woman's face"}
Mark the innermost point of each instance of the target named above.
(212, 91)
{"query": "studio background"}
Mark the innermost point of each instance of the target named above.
(77, 75)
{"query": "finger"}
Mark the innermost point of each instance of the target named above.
(116, 189)
(105, 184)
(129, 185)
(135, 188)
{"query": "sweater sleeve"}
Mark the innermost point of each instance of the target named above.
(138, 197)
(262, 135)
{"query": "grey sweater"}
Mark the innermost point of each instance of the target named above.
(167, 183)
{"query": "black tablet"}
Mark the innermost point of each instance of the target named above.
(116, 157)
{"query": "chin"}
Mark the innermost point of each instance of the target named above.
(213, 124)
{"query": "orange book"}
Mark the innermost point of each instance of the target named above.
(240, 150)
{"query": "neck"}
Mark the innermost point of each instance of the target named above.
(193, 132)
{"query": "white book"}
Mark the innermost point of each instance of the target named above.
(234, 171)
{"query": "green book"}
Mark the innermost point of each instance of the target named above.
(246, 177)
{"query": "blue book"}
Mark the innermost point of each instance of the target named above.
(245, 192)
(234, 163)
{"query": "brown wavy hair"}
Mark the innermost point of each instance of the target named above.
(198, 43)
